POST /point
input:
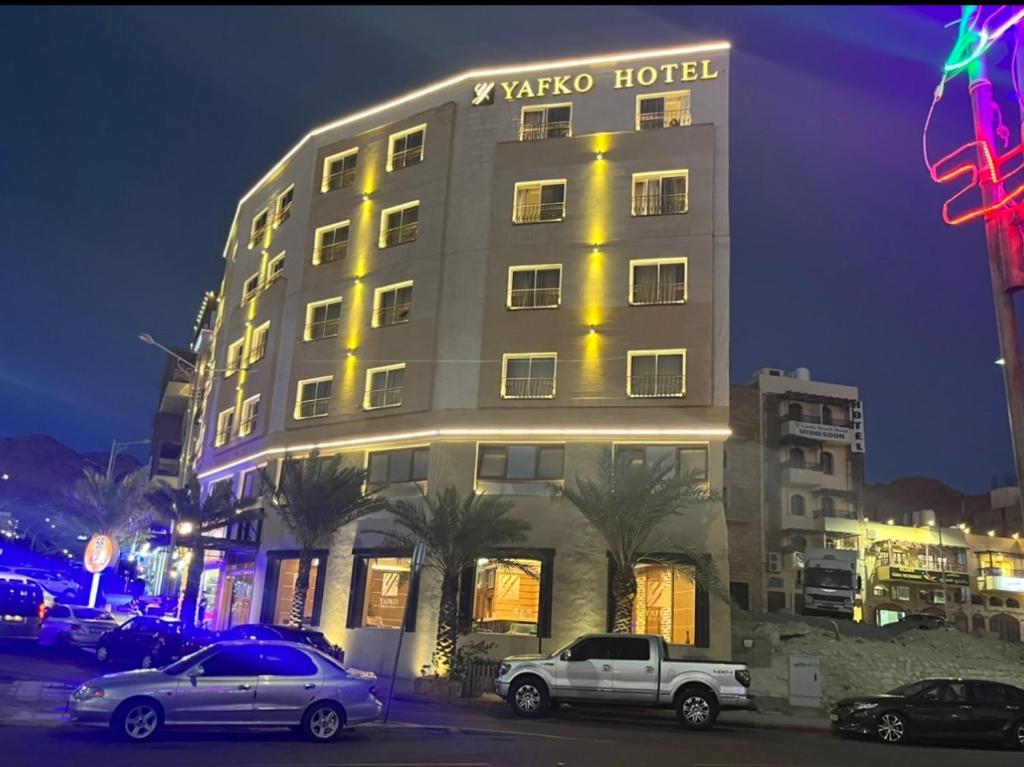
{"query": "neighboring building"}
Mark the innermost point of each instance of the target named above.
(1003, 514)
(794, 464)
(487, 283)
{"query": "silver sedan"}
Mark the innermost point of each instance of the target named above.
(242, 684)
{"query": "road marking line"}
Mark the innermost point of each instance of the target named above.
(471, 730)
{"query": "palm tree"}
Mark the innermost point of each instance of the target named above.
(628, 506)
(316, 497)
(193, 516)
(457, 530)
(115, 507)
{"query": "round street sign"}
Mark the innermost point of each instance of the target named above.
(100, 553)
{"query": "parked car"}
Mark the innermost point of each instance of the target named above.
(921, 621)
(244, 684)
(264, 631)
(952, 708)
(145, 642)
(624, 670)
(59, 585)
(123, 607)
(74, 626)
(21, 607)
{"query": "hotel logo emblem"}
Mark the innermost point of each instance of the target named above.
(483, 94)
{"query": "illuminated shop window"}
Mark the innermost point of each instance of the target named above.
(663, 110)
(551, 121)
(884, 616)
(539, 201)
(406, 148)
(387, 589)
(534, 287)
(506, 597)
(225, 423)
(392, 304)
(314, 397)
(285, 200)
(258, 228)
(323, 318)
(387, 467)
(287, 575)
(331, 243)
(657, 281)
(340, 170)
(528, 376)
(901, 593)
(656, 373)
(660, 193)
(666, 603)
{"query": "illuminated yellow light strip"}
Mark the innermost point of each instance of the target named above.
(474, 74)
(624, 432)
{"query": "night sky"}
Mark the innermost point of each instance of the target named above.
(128, 136)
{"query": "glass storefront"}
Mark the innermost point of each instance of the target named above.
(236, 595)
(387, 589)
(506, 597)
(666, 603)
(287, 575)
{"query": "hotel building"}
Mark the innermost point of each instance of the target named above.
(486, 283)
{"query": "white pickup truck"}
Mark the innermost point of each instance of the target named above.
(624, 670)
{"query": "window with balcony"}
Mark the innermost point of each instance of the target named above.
(399, 225)
(258, 344)
(314, 397)
(538, 202)
(828, 507)
(258, 229)
(392, 304)
(331, 243)
(656, 373)
(250, 412)
(795, 411)
(797, 459)
(535, 287)
(551, 121)
(384, 387)
(657, 281)
(234, 358)
(528, 376)
(323, 318)
(339, 170)
(685, 460)
(828, 463)
(406, 148)
(521, 462)
(660, 193)
(797, 505)
(389, 467)
(275, 268)
(284, 205)
(663, 110)
(250, 288)
(826, 415)
(225, 423)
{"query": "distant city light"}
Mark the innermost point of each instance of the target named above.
(1001, 361)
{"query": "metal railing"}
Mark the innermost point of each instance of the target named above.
(407, 157)
(246, 426)
(388, 397)
(222, 436)
(273, 277)
(314, 407)
(659, 204)
(257, 236)
(806, 466)
(535, 131)
(283, 214)
(392, 315)
(659, 293)
(834, 514)
(529, 388)
(322, 329)
(657, 385)
(400, 234)
(669, 118)
(256, 352)
(340, 179)
(534, 298)
(334, 252)
(537, 212)
(837, 420)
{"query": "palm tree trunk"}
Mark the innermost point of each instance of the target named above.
(447, 624)
(623, 594)
(193, 578)
(301, 587)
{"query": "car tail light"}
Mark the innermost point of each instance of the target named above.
(743, 677)
(41, 611)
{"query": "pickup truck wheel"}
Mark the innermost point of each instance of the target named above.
(529, 698)
(696, 708)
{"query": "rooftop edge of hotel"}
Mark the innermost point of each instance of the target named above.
(471, 74)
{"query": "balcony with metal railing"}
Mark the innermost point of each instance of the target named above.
(385, 397)
(392, 315)
(660, 204)
(538, 212)
(658, 293)
(339, 180)
(258, 350)
(257, 236)
(247, 425)
(657, 385)
(322, 329)
(397, 235)
(283, 214)
(537, 131)
(528, 388)
(669, 118)
(407, 157)
(535, 298)
(325, 254)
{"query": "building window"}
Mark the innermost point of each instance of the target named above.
(406, 148)
(826, 415)
(392, 304)
(275, 268)
(250, 288)
(797, 505)
(535, 287)
(314, 397)
(389, 467)
(507, 596)
(666, 602)
(384, 387)
(521, 462)
(878, 591)
(796, 458)
(663, 110)
(258, 345)
(661, 193)
(828, 507)
(656, 373)
(339, 170)
(795, 412)
(251, 485)
(827, 463)
(902, 593)
(234, 359)
(399, 225)
(331, 243)
(258, 228)
(282, 572)
(323, 319)
(657, 281)
(528, 376)
(539, 201)
(250, 412)
(552, 121)
(225, 423)
(388, 581)
(284, 205)
(686, 460)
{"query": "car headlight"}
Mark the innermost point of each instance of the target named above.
(864, 706)
(87, 692)
(503, 669)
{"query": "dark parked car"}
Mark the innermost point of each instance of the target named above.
(145, 642)
(267, 632)
(21, 607)
(964, 709)
(921, 621)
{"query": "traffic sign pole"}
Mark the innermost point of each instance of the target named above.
(418, 556)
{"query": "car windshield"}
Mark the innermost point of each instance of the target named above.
(828, 579)
(911, 688)
(184, 664)
(91, 614)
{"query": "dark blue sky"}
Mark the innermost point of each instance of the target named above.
(128, 136)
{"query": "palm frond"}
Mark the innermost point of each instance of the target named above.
(117, 507)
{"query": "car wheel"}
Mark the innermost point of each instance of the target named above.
(137, 720)
(529, 698)
(891, 727)
(323, 722)
(102, 654)
(1015, 735)
(696, 708)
